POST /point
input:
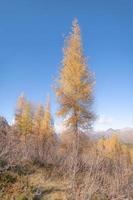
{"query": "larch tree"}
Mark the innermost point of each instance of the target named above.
(75, 84)
(47, 136)
(37, 120)
(23, 116)
(46, 125)
(74, 94)
(26, 119)
(19, 110)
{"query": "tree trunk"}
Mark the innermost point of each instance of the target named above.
(75, 163)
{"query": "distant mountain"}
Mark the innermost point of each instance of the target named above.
(101, 134)
(125, 135)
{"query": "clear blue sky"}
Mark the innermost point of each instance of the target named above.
(31, 40)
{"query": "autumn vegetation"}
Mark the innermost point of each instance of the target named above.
(37, 163)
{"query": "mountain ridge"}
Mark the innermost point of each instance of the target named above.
(125, 134)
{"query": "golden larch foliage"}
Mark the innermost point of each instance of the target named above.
(26, 119)
(37, 120)
(23, 116)
(75, 84)
(112, 147)
(46, 124)
(19, 109)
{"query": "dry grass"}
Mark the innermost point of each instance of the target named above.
(98, 176)
(28, 186)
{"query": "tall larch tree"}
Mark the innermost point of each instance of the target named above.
(74, 94)
(37, 120)
(47, 136)
(19, 110)
(75, 84)
(26, 119)
(23, 115)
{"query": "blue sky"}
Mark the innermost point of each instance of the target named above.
(31, 39)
